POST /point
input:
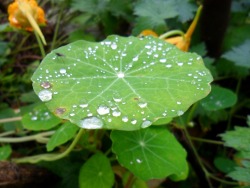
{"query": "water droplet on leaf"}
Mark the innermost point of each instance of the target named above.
(102, 110)
(116, 113)
(91, 123)
(146, 124)
(45, 95)
(125, 118)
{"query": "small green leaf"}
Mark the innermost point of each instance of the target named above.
(5, 152)
(240, 55)
(96, 173)
(238, 139)
(40, 118)
(219, 98)
(224, 164)
(122, 83)
(63, 134)
(150, 153)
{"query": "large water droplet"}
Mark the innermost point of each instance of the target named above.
(45, 95)
(116, 113)
(102, 110)
(180, 112)
(45, 85)
(91, 123)
(146, 124)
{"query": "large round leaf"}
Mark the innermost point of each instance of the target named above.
(123, 83)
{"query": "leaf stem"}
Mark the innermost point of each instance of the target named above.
(56, 30)
(171, 33)
(51, 157)
(223, 181)
(38, 137)
(207, 141)
(7, 120)
(40, 44)
(197, 157)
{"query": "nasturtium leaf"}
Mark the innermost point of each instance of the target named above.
(5, 152)
(96, 173)
(63, 134)
(123, 83)
(40, 118)
(150, 153)
(219, 98)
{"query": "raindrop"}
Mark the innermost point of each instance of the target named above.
(83, 105)
(163, 60)
(178, 102)
(117, 99)
(102, 110)
(180, 64)
(180, 112)
(34, 118)
(168, 66)
(60, 111)
(113, 46)
(125, 118)
(120, 75)
(138, 160)
(91, 123)
(134, 121)
(116, 113)
(72, 114)
(142, 104)
(45, 95)
(62, 71)
(146, 124)
(45, 85)
(135, 58)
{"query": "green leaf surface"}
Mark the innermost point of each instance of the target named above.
(219, 98)
(238, 139)
(150, 153)
(156, 10)
(224, 164)
(5, 152)
(240, 55)
(63, 134)
(123, 83)
(96, 173)
(40, 118)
